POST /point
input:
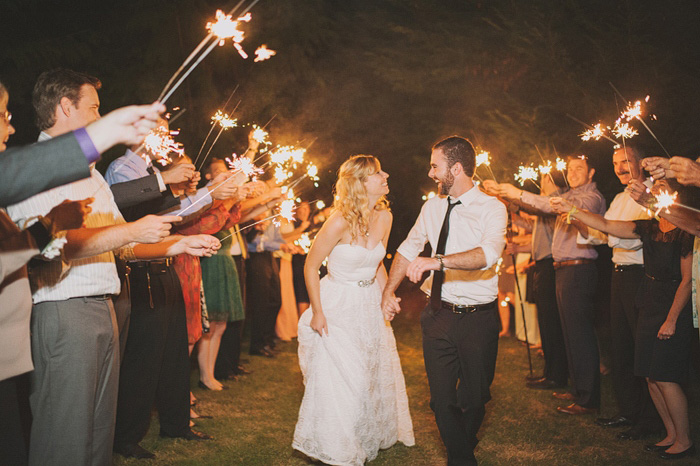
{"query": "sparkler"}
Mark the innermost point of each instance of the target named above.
(634, 111)
(320, 205)
(304, 242)
(526, 173)
(624, 130)
(225, 122)
(595, 133)
(482, 158)
(260, 135)
(664, 200)
(212, 125)
(245, 166)
(159, 143)
(263, 53)
(591, 128)
(223, 28)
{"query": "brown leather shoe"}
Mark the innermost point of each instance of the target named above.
(566, 396)
(574, 409)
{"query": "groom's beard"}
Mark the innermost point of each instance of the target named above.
(446, 184)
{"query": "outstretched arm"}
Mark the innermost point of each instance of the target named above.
(621, 229)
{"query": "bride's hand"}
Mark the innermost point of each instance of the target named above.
(318, 323)
(390, 306)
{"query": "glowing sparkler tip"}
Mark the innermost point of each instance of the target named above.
(263, 53)
(482, 158)
(594, 133)
(525, 173)
(664, 200)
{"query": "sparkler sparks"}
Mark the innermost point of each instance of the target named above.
(560, 164)
(224, 120)
(220, 30)
(526, 173)
(263, 53)
(482, 158)
(160, 144)
(633, 111)
(320, 205)
(244, 165)
(624, 130)
(260, 135)
(545, 169)
(304, 242)
(226, 28)
(287, 210)
(595, 133)
(664, 200)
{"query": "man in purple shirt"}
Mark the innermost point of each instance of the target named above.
(576, 277)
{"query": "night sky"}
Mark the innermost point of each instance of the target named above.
(387, 78)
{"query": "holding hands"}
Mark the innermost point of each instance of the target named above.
(390, 306)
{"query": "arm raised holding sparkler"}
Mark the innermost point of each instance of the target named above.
(684, 218)
(685, 170)
(621, 229)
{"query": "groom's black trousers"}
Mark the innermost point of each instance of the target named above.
(460, 359)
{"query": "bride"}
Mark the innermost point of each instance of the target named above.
(355, 400)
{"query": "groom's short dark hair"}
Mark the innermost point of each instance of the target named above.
(458, 149)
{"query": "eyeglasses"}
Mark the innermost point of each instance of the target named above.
(7, 116)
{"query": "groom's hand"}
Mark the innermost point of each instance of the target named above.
(419, 266)
(390, 306)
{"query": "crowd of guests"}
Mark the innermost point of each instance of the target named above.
(653, 298)
(120, 278)
(110, 282)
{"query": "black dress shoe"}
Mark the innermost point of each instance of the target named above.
(636, 433)
(133, 451)
(690, 451)
(543, 384)
(617, 421)
(262, 352)
(652, 447)
(533, 377)
(189, 435)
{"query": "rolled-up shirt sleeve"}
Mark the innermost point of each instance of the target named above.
(494, 239)
(414, 243)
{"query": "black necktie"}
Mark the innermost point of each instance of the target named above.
(439, 275)
(150, 170)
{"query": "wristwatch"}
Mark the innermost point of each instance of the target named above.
(440, 258)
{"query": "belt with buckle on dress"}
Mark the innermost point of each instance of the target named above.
(464, 309)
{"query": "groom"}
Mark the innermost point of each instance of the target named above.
(466, 230)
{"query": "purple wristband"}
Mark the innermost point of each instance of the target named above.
(86, 145)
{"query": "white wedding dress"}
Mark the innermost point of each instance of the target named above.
(355, 400)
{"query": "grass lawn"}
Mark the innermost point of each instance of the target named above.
(254, 419)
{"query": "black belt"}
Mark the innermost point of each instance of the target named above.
(155, 267)
(623, 267)
(99, 297)
(464, 309)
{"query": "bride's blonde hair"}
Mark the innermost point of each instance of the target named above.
(350, 195)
